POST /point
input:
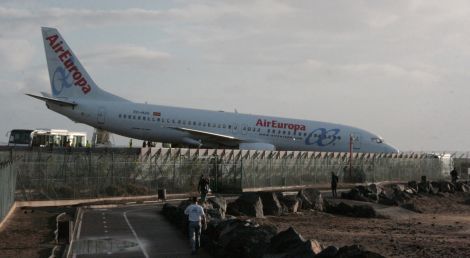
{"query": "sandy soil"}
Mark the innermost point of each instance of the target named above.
(442, 230)
(30, 232)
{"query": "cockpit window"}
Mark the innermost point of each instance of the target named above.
(377, 140)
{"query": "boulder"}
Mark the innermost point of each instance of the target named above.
(241, 238)
(305, 202)
(232, 209)
(356, 194)
(213, 214)
(271, 205)
(413, 185)
(461, 187)
(285, 240)
(308, 249)
(352, 210)
(219, 203)
(289, 203)
(310, 198)
(444, 186)
(374, 191)
(328, 252)
(175, 215)
(249, 204)
(290, 244)
(425, 187)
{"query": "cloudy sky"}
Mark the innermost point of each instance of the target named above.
(396, 68)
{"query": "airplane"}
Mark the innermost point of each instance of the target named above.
(76, 96)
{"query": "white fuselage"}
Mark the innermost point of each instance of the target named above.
(158, 123)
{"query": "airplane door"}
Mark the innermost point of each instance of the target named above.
(244, 128)
(101, 115)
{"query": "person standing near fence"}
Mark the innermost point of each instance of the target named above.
(334, 184)
(196, 216)
(203, 188)
(454, 175)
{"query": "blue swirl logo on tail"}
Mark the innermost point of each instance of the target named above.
(60, 80)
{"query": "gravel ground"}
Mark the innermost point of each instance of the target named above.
(30, 232)
(441, 230)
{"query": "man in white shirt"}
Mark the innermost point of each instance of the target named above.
(196, 215)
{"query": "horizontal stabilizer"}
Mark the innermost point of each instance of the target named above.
(53, 100)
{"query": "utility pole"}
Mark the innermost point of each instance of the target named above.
(350, 155)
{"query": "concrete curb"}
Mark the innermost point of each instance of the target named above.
(77, 224)
(9, 214)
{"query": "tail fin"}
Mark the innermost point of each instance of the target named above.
(67, 76)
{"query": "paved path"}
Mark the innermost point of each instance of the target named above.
(130, 231)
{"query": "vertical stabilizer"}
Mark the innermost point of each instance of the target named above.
(67, 76)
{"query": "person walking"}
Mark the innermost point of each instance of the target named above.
(196, 215)
(334, 184)
(203, 188)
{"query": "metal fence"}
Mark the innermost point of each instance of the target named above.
(7, 183)
(71, 174)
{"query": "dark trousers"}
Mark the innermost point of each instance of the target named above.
(333, 191)
(203, 197)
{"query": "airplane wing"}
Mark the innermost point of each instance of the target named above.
(214, 137)
(53, 100)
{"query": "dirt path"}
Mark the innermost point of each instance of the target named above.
(30, 232)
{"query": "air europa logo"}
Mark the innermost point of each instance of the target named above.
(67, 59)
(280, 125)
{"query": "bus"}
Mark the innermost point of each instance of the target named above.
(46, 138)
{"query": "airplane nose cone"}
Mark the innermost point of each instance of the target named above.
(391, 149)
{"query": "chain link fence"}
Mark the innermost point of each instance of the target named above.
(7, 183)
(94, 173)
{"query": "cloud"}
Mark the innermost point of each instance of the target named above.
(126, 55)
(15, 54)
(370, 70)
